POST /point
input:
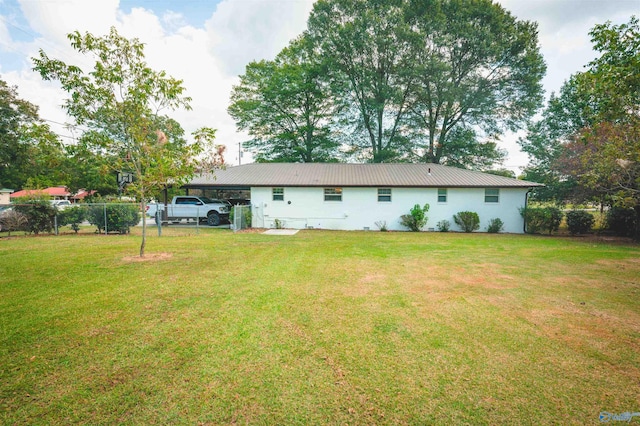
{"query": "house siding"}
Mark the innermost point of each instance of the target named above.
(359, 209)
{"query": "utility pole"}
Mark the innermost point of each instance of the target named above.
(239, 153)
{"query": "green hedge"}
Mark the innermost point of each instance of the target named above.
(119, 217)
(542, 219)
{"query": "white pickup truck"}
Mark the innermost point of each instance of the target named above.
(191, 207)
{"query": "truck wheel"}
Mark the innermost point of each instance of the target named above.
(213, 219)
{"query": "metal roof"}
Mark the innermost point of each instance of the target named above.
(353, 175)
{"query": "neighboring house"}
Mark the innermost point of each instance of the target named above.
(81, 195)
(54, 192)
(5, 196)
(362, 196)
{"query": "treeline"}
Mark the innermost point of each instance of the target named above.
(396, 80)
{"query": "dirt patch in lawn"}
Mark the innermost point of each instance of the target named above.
(149, 257)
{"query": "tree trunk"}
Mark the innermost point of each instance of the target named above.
(144, 226)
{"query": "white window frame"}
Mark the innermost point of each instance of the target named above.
(445, 195)
(333, 194)
(384, 195)
(277, 196)
(492, 197)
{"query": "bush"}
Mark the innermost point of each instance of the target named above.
(622, 221)
(579, 222)
(416, 219)
(11, 220)
(495, 225)
(120, 217)
(72, 216)
(382, 225)
(443, 226)
(541, 219)
(468, 221)
(39, 213)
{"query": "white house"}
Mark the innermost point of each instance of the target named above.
(4, 195)
(363, 196)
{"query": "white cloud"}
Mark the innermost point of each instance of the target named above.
(54, 19)
(243, 31)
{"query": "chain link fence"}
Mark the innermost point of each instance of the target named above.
(241, 217)
(41, 217)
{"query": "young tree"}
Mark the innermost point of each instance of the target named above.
(121, 101)
(286, 107)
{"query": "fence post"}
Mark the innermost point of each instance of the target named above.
(106, 228)
(55, 222)
(235, 222)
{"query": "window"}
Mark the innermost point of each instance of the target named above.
(278, 194)
(491, 195)
(384, 195)
(333, 194)
(442, 195)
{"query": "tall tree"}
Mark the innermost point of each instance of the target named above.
(610, 151)
(285, 106)
(588, 136)
(366, 43)
(30, 153)
(121, 101)
(565, 114)
(477, 69)
(430, 80)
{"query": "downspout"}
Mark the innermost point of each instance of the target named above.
(526, 204)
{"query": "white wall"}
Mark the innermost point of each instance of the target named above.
(360, 209)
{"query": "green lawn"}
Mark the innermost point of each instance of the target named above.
(318, 328)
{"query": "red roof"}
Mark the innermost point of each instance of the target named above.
(54, 191)
(82, 194)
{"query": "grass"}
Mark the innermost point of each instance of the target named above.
(318, 328)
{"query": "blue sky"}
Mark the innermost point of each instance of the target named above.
(207, 43)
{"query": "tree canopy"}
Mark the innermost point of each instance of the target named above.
(401, 80)
(31, 155)
(587, 145)
(285, 106)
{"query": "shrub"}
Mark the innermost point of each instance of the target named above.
(579, 222)
(416, 219)
(72, 216)
(622, 221)
(495, 225)
(39, 213)
(468, 221)
(443, 226)
(541, 219)
(120, 217)
(11, 220)
(382, 225)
